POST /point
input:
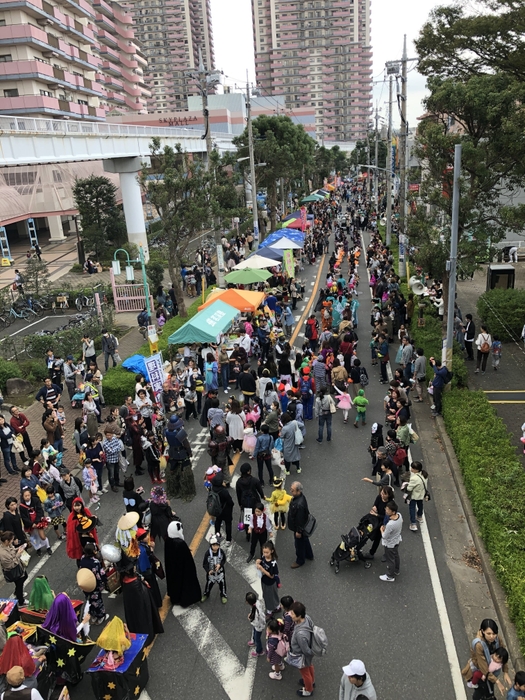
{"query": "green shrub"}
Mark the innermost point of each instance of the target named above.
(495, 484)
(77, 269)
(35, 371)
(8, 370)
(503, 312)
(117, 384)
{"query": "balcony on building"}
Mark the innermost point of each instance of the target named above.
(79, 7)
(39, 104)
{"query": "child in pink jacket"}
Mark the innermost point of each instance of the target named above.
(344, 401)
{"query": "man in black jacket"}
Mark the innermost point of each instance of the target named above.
(219, 486)
(247, 383)
(470, 336)
(297, 519)
(249, 491)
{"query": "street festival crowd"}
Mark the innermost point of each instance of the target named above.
(271, 389)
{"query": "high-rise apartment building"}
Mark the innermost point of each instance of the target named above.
(69, 58)
(171, 32)
(317, 53)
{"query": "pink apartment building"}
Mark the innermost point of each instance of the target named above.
(170, 33)
(317, 53)
(74, 59)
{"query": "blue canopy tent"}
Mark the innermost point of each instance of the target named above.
(291, 234)
(269, 253)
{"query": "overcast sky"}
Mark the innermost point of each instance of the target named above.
(233, 39)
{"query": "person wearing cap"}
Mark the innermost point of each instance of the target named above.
(356, 683)
(15, 678)
(213, 564)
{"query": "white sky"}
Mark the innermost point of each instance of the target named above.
(233, 39)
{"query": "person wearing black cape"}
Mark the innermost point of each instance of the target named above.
(182, 584)
(142, 615)
(146, 565)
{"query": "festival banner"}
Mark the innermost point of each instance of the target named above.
(288, 263)
(155, 372)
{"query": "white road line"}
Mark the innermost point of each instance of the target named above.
(236, 679)
(237, 558)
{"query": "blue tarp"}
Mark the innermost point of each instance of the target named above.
(136, 364)
(290, 233)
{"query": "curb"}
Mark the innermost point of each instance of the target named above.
(496, 591)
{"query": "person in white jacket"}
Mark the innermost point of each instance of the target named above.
(484, 344)
(356, 682)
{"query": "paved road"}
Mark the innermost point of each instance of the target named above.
(22, 327)
(396, 628)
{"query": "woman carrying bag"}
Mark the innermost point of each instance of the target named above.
(12, 567)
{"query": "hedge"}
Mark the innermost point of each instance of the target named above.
(502, 311)
(495, 484)
(119, 382)
(8, 370)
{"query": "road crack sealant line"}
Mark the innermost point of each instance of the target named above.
(439, 597)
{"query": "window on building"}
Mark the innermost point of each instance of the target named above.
(11, 93)
(46, 93)
(6, 58)
(2, 23)
(82, 102)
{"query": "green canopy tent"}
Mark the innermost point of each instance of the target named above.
(247, 276)
(206, 326)
(313, 198)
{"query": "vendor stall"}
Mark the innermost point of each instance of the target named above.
(241, 299)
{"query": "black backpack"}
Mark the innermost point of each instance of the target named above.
(308, 332)
(213, 504)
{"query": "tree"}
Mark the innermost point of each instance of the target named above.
(329, 161)
(455, 44)
(226, 201)
(36, 277)
(103, 225)
(360, 153)
(181, 195)
(483, 113)
(288, 153)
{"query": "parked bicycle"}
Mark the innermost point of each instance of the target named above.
(83, 300)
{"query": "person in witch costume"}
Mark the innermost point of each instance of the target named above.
(41, 597)
(182, 583)
(80, 529)
(146, 565)
(141, 614)
(180, 482)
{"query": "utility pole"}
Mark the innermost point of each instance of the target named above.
(252, 163)
(376, 160)
(388, 166)
(403, 138)
(452, 263)
(205, 79)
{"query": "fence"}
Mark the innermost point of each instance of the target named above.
(128, 297)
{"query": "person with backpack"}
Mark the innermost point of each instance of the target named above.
(257, 619)
(248, 490)
(324, 406)
(496, 352)
(301, 652)
(311, 332)
(306, 391)
(109, 347)
(277, 647)
(263, 453)
(484, 345)
(441, 377)
(222, 509)
(359, 376)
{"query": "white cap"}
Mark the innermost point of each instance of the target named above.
(214, 540)
(354, 668)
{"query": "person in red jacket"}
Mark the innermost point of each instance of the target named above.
(80, 529)
(19, 423)
(312, 332)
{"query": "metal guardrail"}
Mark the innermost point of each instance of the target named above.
(85, 128)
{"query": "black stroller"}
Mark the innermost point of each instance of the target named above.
(351, 545)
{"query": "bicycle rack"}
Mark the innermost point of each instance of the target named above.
(31, 230)
(4, 245)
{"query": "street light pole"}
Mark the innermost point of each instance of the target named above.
(389, 167)
(142, 262)
(252, 164)
(452, 263)
(376, 161)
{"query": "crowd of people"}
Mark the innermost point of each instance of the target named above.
(256, 398)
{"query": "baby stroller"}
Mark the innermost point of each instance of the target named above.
(352, 544)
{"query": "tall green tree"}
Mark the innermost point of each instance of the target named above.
(329, 161)
(181, 193)
(36, 277)
(288, 153)
(103, 225)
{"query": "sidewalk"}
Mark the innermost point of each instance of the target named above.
(511, 372)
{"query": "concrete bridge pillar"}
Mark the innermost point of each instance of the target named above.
(127, 169)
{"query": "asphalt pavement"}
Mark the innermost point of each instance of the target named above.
(406, 632)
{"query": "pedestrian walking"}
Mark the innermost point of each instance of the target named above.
(356, 683)
(218, 486)
(391, 537)
(324, 407)
(484, 345)
(113, 448)
(291, 453)
(470, 336)
(360, 402)
(257, 620)
(279, 503)
(301, 649)
(263, 453)
(277, 646)
(482, 647)
(213, 564)
(416, 493)
(438, 384)
(306, 390)
(109, 347)
(496, 352)
(420, 373)
(297, 518)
